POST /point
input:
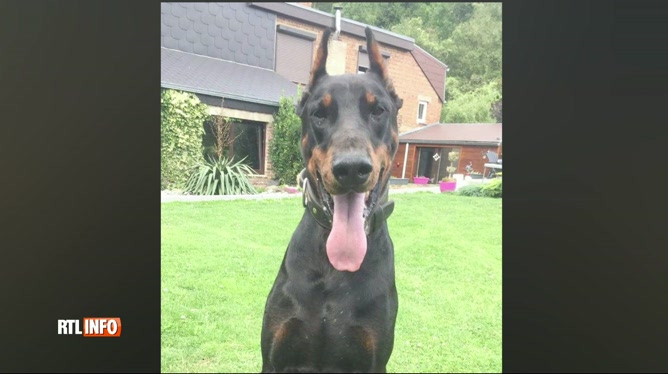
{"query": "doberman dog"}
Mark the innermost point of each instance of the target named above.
(333, 305)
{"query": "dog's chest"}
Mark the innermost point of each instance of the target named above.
(329, 303)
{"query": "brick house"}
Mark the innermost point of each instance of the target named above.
(416, 155)
(249, 54)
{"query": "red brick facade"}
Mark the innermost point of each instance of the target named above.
(469, 154)
(409, 80)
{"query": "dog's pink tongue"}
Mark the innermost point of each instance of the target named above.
(346, 245)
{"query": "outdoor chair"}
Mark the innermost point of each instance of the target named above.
(492, 163)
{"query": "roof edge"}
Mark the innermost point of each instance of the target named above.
(440, 95)
(218, 94)
(344, 19)
(430, 55)
(453, 142)
(215, 58)
(325, 19)
(418, 129)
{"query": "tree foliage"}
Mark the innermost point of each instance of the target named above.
(465, 36)
(181, 131)
(383, 15)
(474, 48)
(470, 106)
(284, 150)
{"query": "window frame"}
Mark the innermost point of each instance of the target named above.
(424, 112)
(362, 51)
(287, 31)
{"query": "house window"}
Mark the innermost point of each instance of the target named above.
(363, 60)
(294, 53)
(249, 142)
(246, 139)
(432, 162)
(422, 112)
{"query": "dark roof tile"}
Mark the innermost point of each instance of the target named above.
(239, 38)
(192, 13)
(220, 43)
(228, 12)
(185, 23)
(185, 46)
(206, 40)
(214, 9)
(433, 69)
(215, 77)
(247, 28)
(192, 36)
(179, 10)
(207, 18)
(170, 43)
(200, 27)
(252, 40)
(234, 25)
(177, 33)
(201, 49)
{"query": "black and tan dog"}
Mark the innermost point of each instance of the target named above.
(334, 303)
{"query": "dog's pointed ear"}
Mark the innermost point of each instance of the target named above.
(320, 63)
(299, 107)
(376, 61)
(318, 71)
(377, 65)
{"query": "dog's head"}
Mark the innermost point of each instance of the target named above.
(349, 138)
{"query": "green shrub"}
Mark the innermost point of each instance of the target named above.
(220, 177)
(284, 148)
(493, 188)
(181, 130)
(490, 189)
(471, 190)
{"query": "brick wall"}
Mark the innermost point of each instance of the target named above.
(468, 154)
(269, 135)
(409, 80)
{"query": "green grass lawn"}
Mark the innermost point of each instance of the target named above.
(220, 258)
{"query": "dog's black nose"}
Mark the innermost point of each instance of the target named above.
(352, 171)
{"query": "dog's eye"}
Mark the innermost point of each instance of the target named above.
(377, 110)
(320, 113)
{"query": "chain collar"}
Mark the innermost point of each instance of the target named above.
(313, 204)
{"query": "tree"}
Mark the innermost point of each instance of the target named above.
(465, 36)
(474, 51)
(472, 106)
(383, 15)
(440, 19)
(423, 35)
(181, 130)
(284, 151)
(497, 106)
(219, 138)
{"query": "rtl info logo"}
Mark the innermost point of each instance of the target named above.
(93, 327)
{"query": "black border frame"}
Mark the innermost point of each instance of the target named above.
(80, 202)
(584, 253)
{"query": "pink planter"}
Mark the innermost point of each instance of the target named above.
(420, 180)
(447, 186)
